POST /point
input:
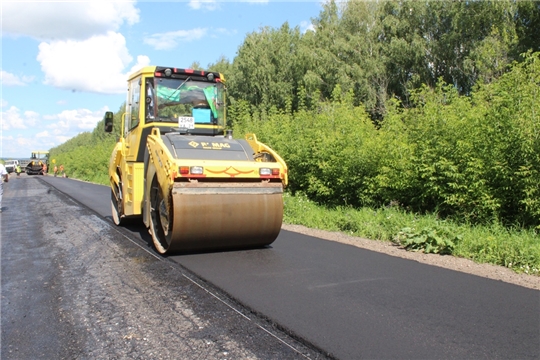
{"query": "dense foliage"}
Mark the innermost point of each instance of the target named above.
(475, 158)
(382, 50)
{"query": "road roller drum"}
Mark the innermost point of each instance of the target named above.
(208, 217)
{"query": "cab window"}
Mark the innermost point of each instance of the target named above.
(134, 102)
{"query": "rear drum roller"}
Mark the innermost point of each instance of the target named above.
(160, 218)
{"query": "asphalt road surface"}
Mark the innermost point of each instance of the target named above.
(352, 303)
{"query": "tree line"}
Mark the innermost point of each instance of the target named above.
(381, 50)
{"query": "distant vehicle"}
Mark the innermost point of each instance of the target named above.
(38, 158)
(24, 163)
(11, 165)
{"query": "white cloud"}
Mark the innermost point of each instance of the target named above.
(169, 40)
(94, 65)
(31, 118)
(80, 49)
(72, 122)
(142, 61)
(204, 4)
(9, 79)
(226, 31)
(13, 119)
(264, 2)
(212, 5)
(29, 131)
(47, 20)
(43, 134)
(306, 26)
(20, 146)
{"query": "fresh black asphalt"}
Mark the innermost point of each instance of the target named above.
(356, 304)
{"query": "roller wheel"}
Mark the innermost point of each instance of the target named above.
(116, 207)
(160, 219)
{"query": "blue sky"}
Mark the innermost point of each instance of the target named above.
(65, 63)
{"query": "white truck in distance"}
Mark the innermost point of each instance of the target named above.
(11, 165)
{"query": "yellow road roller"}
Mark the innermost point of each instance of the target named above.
(178, 167)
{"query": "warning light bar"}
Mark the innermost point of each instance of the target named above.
(175, 73)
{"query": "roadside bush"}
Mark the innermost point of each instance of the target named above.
(428, 240)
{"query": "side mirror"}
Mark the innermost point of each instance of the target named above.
(108, 120)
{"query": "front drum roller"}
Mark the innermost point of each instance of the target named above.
(215, 216)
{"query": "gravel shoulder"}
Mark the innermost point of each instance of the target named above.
(448, 262)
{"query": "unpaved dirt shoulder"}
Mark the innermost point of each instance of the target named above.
(449, 262)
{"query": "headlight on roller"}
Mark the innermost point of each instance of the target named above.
(191, 170)
(196, 170)
(265, 172)
(268, 172)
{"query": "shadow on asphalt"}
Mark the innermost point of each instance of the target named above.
(136, 227)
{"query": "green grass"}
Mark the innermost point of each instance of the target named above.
(99, 178)
(517, 249)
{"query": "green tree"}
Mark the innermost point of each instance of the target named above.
(527, 24)
(266, 68)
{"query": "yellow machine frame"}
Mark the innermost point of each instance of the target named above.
(131, 177)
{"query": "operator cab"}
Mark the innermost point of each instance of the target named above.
(194, 100)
